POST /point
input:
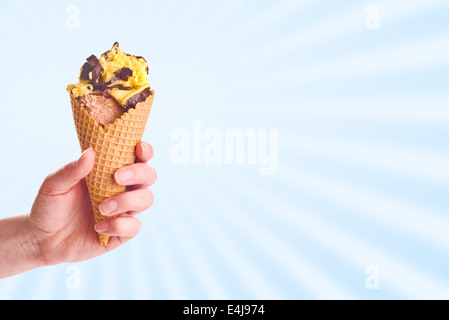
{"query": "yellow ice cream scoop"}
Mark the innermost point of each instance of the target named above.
(80, 89)
(115, 60)
(117, 73)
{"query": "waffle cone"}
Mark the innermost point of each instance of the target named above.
(114, 147)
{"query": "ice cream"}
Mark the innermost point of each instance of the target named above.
(102, 107)
(117, 78)
(111, 104)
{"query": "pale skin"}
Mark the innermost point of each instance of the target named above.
(61, 227)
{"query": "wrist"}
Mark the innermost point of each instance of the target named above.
(19, 251)
(30, 244)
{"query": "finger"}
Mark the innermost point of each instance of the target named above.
(136, 174)
(144, 152)
(131, 202)
(126, 227)
(65, 178)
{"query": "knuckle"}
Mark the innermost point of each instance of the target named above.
(114, 227)
(49, 187)
(117, 227)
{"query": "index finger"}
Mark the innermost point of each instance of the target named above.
(144, 152)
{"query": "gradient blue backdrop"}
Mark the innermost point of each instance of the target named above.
(362, 117)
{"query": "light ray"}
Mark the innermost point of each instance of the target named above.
(415, 55)
(172, 281)
(258, 23)
(217, 20)
(394, 160)
(189, 16)
(13, 286)
(412, 219)
(244, 269)
(105, 275)
(401, 110)
(301, 270)
(202, 270)
(397, 274)
(46, 281)
(343, 24)
(141, 283)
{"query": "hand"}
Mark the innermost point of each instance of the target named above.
(61, 223)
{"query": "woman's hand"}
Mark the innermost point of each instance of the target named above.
(61, 224)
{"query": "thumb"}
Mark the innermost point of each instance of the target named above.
(69, 175)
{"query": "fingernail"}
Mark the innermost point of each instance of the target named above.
(102, 226)
(145, 148)
(108, 207)
(124, 175)
(81, 156)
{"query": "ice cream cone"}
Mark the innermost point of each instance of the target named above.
(114, 147)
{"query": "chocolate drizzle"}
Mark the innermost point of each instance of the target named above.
(121, 74)
(91, 72)
(117, 86)
(138, 97)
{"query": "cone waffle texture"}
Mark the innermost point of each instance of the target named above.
(114, 147)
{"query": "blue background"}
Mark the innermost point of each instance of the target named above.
(362, 116)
